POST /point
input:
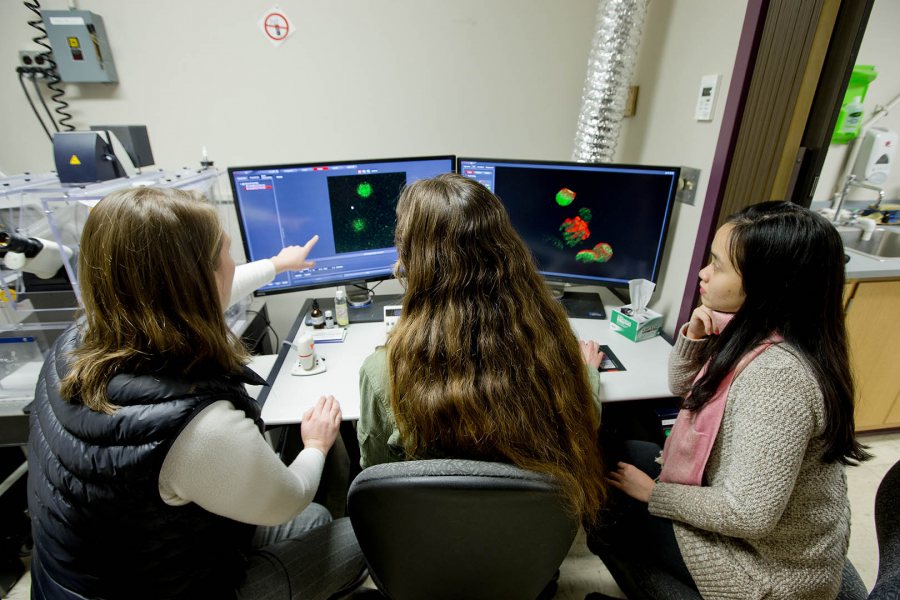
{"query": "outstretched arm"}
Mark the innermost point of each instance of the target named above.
(293, 258)
(253, 275)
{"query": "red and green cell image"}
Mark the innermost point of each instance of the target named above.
(565, 197)
(574, 231)
(600, 253)
(364, 190)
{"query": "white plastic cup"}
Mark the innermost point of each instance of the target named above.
(306, 351)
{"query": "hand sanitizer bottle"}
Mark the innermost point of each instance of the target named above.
(340, 308)
(853, 114)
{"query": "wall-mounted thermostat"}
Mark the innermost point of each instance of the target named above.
(391, 316)
(706, 101)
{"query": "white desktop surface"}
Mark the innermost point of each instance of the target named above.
(645, 375)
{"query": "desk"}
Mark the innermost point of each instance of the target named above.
(290, 396)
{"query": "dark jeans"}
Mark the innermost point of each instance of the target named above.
(639, 549)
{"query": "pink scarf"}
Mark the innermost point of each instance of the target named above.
(692, 437)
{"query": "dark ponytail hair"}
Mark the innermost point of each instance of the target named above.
(791, 261)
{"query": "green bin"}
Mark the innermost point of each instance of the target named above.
(851, 116)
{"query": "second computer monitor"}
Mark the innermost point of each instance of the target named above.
(601, 224)
(350, 205)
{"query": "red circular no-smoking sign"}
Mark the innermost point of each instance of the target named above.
(276, 25)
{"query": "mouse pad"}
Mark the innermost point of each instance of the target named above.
(610, 361)
(583, 305)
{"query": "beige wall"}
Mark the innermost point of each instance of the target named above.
(683, 41)
(388, 78)
(880, 47)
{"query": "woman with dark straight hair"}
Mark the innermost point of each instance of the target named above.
(483, 363)
(752, 483)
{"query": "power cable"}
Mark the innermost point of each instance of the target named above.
(33, 107)
(37, 89)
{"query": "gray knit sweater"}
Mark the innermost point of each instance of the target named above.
(772, 520)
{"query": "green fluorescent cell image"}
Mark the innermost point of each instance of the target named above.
(586, 214)
(364, 210)
(555, 242)
(565, 197)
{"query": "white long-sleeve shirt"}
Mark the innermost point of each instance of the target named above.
(220, 461)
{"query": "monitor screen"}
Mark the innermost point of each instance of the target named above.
(351, 205)
(594, 224)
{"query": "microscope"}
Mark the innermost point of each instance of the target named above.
(40, 257)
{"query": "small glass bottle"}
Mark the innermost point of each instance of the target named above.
(329, 320)
(340, 308)
(316, 316)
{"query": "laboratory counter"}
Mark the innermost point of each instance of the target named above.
(289, 395)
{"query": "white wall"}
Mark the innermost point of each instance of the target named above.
(359, 79)
(880, 47)
(388, 78)
(683, 41)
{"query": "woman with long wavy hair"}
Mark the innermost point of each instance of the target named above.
(483, 363)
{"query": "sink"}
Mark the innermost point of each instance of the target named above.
(885, 242)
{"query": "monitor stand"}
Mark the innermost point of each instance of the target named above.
(557, 291)
(359, 295)
(579, 305)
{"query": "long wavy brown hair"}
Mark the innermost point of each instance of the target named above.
(483, 363)
(151, 301)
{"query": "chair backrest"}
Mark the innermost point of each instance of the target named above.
(459, 529)
(887, 526)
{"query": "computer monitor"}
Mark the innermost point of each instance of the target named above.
(351, 205)
(587, 224)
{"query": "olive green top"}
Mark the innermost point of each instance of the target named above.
(379, 438)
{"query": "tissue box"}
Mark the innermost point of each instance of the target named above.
(635, 327)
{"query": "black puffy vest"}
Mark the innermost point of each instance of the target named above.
(100, 527)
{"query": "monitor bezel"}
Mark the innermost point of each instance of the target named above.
(574, 279)
(320, 163)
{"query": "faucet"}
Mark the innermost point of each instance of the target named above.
(869, 186)
(836, 207)
(868, 225)
(848, 182)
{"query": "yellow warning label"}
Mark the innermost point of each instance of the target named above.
(74, 43)
(74, 160)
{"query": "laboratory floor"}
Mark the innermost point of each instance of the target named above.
(582, 572)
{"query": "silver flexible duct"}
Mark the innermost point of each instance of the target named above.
(614, 52)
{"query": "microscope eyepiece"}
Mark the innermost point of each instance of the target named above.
(14, 242)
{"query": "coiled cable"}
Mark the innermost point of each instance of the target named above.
(53, 78)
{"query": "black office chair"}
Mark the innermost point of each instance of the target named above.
(459, 529)
(887, 527)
